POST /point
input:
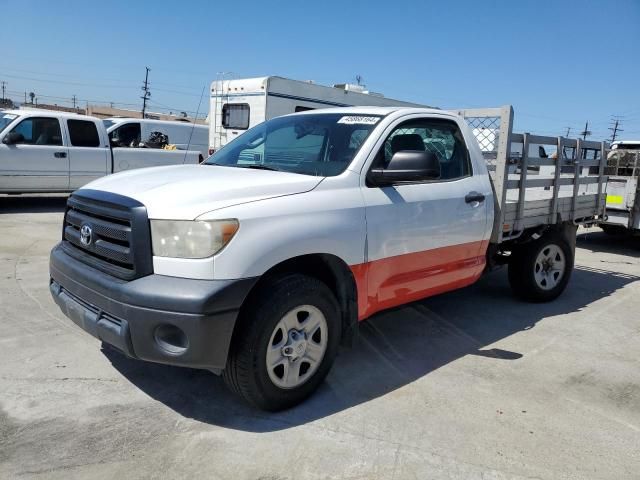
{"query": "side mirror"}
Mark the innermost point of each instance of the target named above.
(13, 138)
(407, 166)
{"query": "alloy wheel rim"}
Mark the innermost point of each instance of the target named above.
(297, 346)
(549, 267)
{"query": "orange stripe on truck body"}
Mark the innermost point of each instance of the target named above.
(401, 279)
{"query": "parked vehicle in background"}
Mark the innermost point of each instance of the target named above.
(140, 133)
(258, 263)
(623, 189)
(626, 145)
(45, 151)
(237, 105)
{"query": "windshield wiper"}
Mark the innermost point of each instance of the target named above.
(260, 166)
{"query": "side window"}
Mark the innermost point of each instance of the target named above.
(40, 131)
(441, 137)
(127, 135)
(83, 133)
(300, 108)
(235, 115)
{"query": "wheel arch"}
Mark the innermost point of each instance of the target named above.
(333, 272)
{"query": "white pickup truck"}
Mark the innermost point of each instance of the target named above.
(259, 263)
(45, 151)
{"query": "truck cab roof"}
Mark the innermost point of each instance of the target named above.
(383, 111)
(39, 112)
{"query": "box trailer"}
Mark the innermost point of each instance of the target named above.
(237, 105)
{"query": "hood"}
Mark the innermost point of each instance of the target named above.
(184, 192)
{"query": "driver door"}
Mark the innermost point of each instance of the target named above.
(424, 238)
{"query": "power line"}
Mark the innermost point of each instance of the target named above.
(77, 84)
(87, 82)
(145, 89)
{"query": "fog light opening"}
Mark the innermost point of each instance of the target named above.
(171, 339)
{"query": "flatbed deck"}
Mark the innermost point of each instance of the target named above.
(538, 180)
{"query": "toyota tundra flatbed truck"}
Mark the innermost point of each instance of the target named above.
(261, 262)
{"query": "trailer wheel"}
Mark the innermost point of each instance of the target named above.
(285, 343)
(540, 270)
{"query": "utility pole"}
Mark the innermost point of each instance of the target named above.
(615, 129)
(73, 99)
(147, 93)
(568, 132)
(586, 132)
(4, 86)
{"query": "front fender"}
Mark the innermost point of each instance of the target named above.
(275, 230)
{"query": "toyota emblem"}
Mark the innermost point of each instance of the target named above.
(85, 235)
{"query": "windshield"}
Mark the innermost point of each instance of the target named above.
(6, 119)
(108, 123)
(320, 144)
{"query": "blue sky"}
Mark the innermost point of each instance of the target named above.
(559, 63)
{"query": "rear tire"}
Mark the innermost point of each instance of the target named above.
(285, 343)
(540, 270)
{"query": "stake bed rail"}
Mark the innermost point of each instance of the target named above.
(534, 187)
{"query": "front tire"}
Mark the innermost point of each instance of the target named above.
(285, 343)
(539, 271)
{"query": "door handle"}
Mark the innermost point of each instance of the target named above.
(474, 197)
(60, 154)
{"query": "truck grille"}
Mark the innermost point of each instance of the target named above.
(109, 232)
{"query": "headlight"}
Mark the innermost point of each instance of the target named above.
(191, 239)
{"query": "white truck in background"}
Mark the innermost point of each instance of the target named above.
(47, 152)
(139, 133)
(240, 104)
(623, 189)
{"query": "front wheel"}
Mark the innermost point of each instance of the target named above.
(539, 271)
(285, 343)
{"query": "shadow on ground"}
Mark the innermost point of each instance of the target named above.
(598, 241)
(394, 349)
(32, 204)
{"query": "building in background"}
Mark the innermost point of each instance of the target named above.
(106, 111)
(54, 107)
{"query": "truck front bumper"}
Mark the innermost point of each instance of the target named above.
(161, 319)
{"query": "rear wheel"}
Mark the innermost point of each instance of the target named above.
(539, 271)
(285, 343)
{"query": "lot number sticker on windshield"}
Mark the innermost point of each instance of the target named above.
(357, 120)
